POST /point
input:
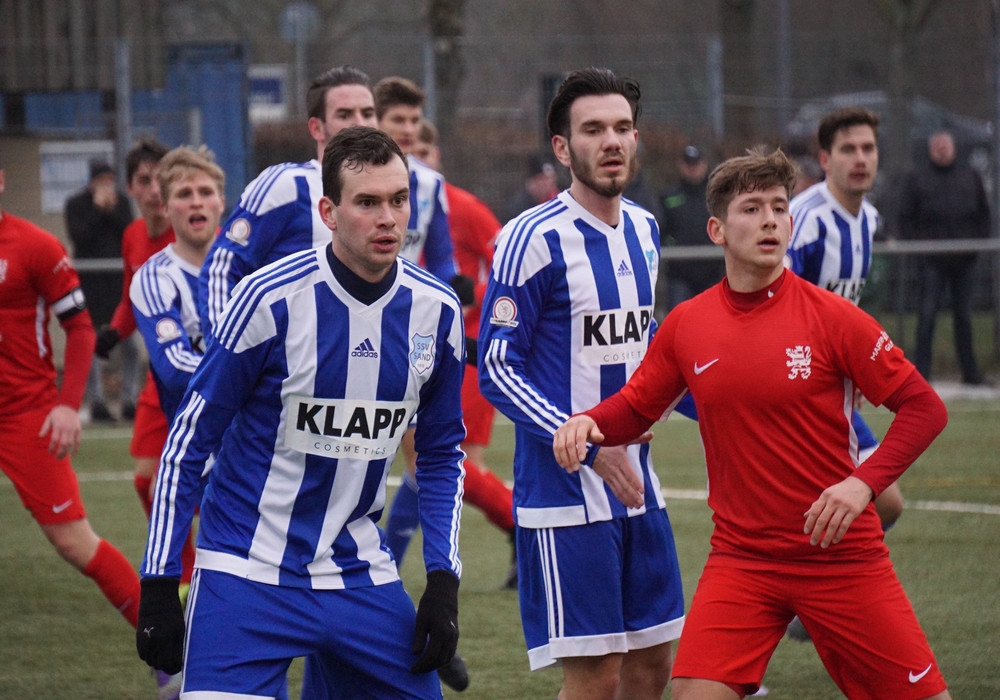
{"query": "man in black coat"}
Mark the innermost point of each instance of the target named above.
(96, 217)
(684, 223)
(945, 200)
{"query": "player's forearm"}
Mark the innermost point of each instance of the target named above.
(505, 385)
(920, 417)
(618, 420)
(80, 341)
(439, 480)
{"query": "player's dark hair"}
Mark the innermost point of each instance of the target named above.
(335, 77)
(755, 171)
(586, 82)
(145, 151)
(844, 118)
(353, 148)
(395, 90)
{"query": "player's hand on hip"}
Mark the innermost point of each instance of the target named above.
(612, 464)
(569, 444)
(62, 425)
(831, 515)
(159, 633)
(435, 636)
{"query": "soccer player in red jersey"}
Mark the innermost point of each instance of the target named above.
(773, 362)
(143, 238)
(39, 419)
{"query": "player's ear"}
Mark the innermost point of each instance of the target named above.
(717, 231)
(316, 130)
(560, 147)
(824, 159)
(328, 212)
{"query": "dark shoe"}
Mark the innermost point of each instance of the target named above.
(99, 412)
(454, 674)
(977, 381)
(128, 411)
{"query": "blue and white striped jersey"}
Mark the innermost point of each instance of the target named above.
(163, 294)
(276, 216)
(567, 317)
(831, 247)
(303, 395)
(428, 236)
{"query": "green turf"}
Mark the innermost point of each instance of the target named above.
(60, 638)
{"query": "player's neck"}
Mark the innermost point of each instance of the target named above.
(747, 280)
(156, 227)
(606, 209)
(851, 201)
(191, 253)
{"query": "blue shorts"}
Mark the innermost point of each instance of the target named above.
(597, 589)
(866, 438)
(242, 636)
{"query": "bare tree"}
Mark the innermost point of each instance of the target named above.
(905, 19)
(445, 24)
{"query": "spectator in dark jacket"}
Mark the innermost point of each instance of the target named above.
(684, 223)
(945, 200)
(96, 217)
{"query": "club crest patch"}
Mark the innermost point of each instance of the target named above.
(239, 232)
(504, 313)
(167, 330)
(421, 352)
(799, 361)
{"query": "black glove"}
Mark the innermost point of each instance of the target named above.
(471, 351)
(465, 288)
(159, 634)
(107, 338)
(437, 622)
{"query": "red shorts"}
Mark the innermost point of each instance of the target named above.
(47, 486)
(477, 412)
(149, 431)
(860, 620)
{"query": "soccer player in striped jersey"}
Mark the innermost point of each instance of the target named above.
(164, 292)
(834, 226)
(568, 314)
(277, 213)
(399, 107)
(772, 363)
(318, 363)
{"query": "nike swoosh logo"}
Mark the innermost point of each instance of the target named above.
(914, 677)
(699, 369)
(62, 506)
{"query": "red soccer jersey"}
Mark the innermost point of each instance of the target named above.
(474, 229)
(36, 275)
(774, 388)
(137, 248)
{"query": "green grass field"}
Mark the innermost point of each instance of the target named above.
(60, 639)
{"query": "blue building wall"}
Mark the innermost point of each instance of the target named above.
(205, 99)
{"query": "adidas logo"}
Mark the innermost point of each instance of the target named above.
(364, 349)
(623, 270)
